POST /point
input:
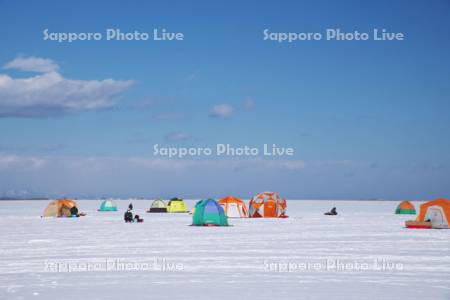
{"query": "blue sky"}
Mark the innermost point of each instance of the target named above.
(367, 119)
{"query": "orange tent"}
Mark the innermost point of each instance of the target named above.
(234, 207)
(405, 207)
(437, 212)
(267, 205)
(59, 208)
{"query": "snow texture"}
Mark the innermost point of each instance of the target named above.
(363, 253)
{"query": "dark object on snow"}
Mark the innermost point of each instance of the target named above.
(137, 219)
(332, 212)
(130, 206)
(128, 216)
(157, 210)
(74, 211)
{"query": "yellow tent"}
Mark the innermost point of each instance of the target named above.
(177, 205)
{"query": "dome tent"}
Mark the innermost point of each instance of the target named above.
(59, 208)
(108, 205)
(433, 214)
(267, 205)
(158, 206)
(176, 205)
(209, 213)
(234, 207)
(405, 208)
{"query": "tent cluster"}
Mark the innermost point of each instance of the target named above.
(263, 205)
(175, 205)
(209, 212)
(206, 212)
(433, 214)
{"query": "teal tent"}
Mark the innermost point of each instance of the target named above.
(108, 205)
(209, 213)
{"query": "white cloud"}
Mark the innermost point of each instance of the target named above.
(17, 163)
(33, 64)
(17, 193)
(50, 94)
(178, 136)
(222, 111)
(291, 165)
(8, 161)
(152, 176)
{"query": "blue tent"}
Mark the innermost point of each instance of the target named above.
(209, 213)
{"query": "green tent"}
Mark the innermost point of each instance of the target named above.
(209, 213)
(108, 205)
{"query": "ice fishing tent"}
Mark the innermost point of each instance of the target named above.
(234, 207)
(209, 213)
(437, 212)
(108, 205)
(59, 208)
(267, 205)
(405, 208)
(176, 205)
(158, 206)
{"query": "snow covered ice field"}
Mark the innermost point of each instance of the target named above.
(363, 253)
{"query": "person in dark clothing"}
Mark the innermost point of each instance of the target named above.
(332, 212)
(74, 211)
(130, 206)
(137, 219)
(128, 216)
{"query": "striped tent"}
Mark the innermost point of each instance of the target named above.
(267, 205)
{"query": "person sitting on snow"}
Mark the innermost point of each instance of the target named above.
(128, 216)
(74, 211)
